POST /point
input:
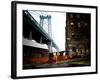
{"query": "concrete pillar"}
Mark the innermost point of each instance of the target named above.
(49, 26)
(50, 47)
(41, 20)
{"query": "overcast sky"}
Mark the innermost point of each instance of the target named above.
(58, 23)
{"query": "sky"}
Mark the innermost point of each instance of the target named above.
(58, 23)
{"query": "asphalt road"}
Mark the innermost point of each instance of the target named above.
(70, 63)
